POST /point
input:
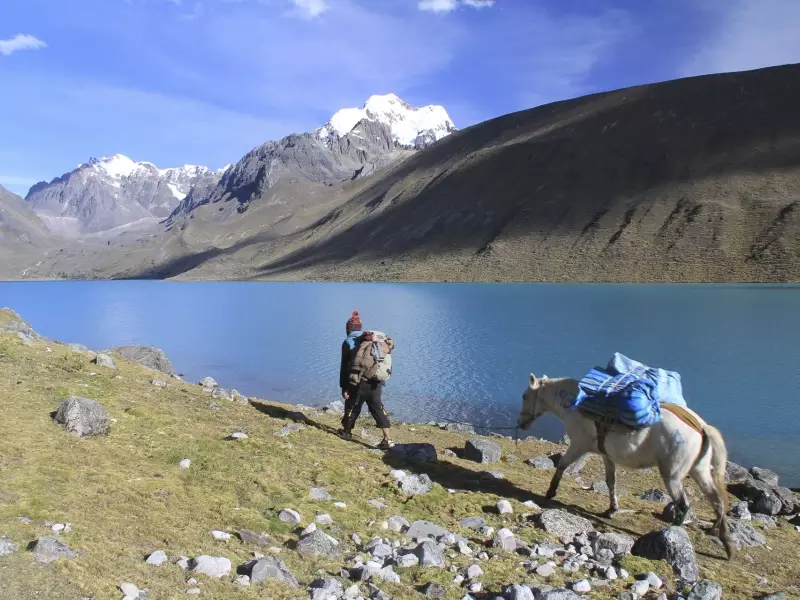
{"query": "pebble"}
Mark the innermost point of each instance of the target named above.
(324, 519)
(611, 573)
(58, 527)
(464, 548)
(340, 505)
(185, 463)
(193, 591)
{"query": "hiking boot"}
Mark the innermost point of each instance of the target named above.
(345, 434)
(386, 444)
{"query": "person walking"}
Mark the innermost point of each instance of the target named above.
(359, 389)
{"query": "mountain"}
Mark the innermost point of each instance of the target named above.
(354, 144)
(108, 193)
(18, 223)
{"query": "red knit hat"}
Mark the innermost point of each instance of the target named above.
(354, 322)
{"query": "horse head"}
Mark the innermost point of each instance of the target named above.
(532, 407)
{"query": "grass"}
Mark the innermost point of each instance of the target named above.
(125, 496)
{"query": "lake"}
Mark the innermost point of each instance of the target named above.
(464, 351)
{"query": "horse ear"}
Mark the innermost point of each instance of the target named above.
(533, 380)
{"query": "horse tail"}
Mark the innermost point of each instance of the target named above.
(719, 459)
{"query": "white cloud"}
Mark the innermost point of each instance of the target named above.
(20, 42)
(310, 8)
(479, 3)
(438, 6)
(748, 34)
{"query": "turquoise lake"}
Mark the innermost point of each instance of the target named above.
(464, 351)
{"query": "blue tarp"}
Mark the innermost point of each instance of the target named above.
(628, 392)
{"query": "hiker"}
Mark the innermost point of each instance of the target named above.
(362, 381)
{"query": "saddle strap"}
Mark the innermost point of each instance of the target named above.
(684, 415)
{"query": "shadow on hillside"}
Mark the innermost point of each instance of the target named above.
(296, 416)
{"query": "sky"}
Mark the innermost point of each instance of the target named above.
(205, 81)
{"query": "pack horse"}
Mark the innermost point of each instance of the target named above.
(679, 443)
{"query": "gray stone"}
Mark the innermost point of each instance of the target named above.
(318, 493)
(48, 549)
(208, 383)
(159, 383)
(519, 592)
(211, 566)
(421, 530)
(706, 590)
(157, 558)
(7, 547)
(504, 507)
(242, 580)
(434, 590)
(317, 543)
(104, 360)
(482, 451)
(640, 587)
(654, 580)
(83, 417)
(618, 543)
(789, 500)
(474, 523)
(414, 485)
(272, 568)
(740, 511)
(407, 560)
(398, 523)
(656, 495)
(289, 429)
(430, 555)
(382, 551)
(581, 587)
(505, 540)
(744, 535)
(237, 436)
(765, 475)
(605, 557)
(761, 496)
(413, 453)
(464, 428)
(335, 408)
(193, 591)
(673, 545)
(219, 393)
(288, 515)
(129, 589)
(767, 521)
(541, 462)
(322, 589)
(324, 519)
(559, 594)
(735, 473)
(239, 397)
(474, 571)
(562, 524)
(152, 358)
(545, 570)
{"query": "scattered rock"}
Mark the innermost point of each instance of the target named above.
(152, 358)
(519, 592)
(129, 589)
(318, 493)
(78, 348)
(398, 523)
(322, 589)
(789, 500)
(474, 571)
(767, 521)
(735, 473)
(504, 507)
(434, 590)
(654, 581)
(430, 555)
(760, 495)
(159, 383)
(48, 549)
(421, 530)
(82, 416)
(505, 540)
(407, 560)
(562, 524)
(238, 435)
(256, 539)
(185, 464)
(618, 543)
(474, 523)
(740, 511)
(219, 393)
(744, 535)
(656, 495)
(414, 485)
(289, 429)
(463, 428)
(221, 536)
(581, 586)
(157, 558)
(482, 451)
(272, 568)
(287, 515)
(765, 475)
(706, 590)
(318, 543)
(324, 519)
(545, 570)
(334, 408)
(104, 360)
(640, 587)
(211, 566)
(242, 580)
(541, 462)
(7, 547)
(208, 383)
(413, 453)
(673, 545)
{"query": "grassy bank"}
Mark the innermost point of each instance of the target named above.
(125, 495)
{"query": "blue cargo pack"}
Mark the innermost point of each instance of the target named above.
(628, 392)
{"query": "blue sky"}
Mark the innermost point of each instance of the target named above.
(204, 81)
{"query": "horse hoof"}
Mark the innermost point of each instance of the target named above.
(550, 495)
(611, 513)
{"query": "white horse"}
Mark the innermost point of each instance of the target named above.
(678, 445)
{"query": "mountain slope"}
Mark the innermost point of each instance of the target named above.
(694, 179)
(18, 223)
(107, 193)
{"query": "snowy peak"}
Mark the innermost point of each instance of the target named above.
(410, 126)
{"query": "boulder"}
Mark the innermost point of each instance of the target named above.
(706, 590)
(740, 510)
(322, 589)
(434, 590)
(48, 549)
(318, 543)
(504, 507)
(760, 495)
(474, 523)
(655, 495)
(104, 360)
(157, 558)
(211, 566)
(152, 358)
(765, 475)
(482, 451)
(272, 568)
(735, 473)
(744, 535)
(208, 383)
(83, 417)
(430, 555)
(414, 485)
(288, 515)
(219, 393)
(413, 453)
(318, 493)
(790, 503)
(541, 462)
(398, 523)
(422, 530)
(673, 545)
(7, 547)
(618, 543)
(519, 592)
(562, 524)
(335, 408)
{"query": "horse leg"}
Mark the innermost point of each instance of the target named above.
(611, 482)
(674, 484)
(701, 474)
(570, 456)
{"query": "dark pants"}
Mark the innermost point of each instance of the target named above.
(369, 394)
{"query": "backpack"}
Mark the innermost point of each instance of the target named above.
(373, 359)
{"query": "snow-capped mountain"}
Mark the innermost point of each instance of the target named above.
(112, 192)
(410, 127)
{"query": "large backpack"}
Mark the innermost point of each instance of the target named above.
(372, 361)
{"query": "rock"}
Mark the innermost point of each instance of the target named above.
(214, 406)
(182, 562)
(219, 393)
(474, 571)
(78, 348)
(159, 383)
(654, 581)
(519, 592)
(656, 495)
(735, 473)
(289, 429)
(760, 495)
(504, 507)
(185, 464)
(558, 594)
(706, 590)
(335, 408)
(421, 530)
(463, 548)
(505, 540)
(434, 590)
(407, 560)
(776, 596)
(317, 543)
(482, 451)
(640, 587)
(673, 545)
(474, 523)
(193, 591)
(605, 557)
(767, 521)
(238, 435)
(208, 383)
(152, 358)
(239, 397)
(322, 589)
(288, 515)
(669, 514)
(7, 547)
(413, 453)
(340, 505)
(744, 535)
(129, 589)
(398, 523)
(211, 566)
(414, 485)
(532, 505)
(765, 475)
(789, 500)
(618, 543)
(324, 519)
(104, 360)
(48, 549)
(272, 568)
(545, 570)
(221, 536)
(382, 551)
(562, 524)
(318, 493)
(157, 558)
(242, 580)
(541, 462)
(430, 555)
(83, 417)
(581, 586)
(740, 511)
